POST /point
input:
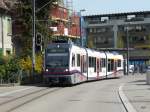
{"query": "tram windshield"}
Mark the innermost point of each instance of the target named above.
(56, 59)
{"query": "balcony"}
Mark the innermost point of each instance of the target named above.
(59, 13)
(134, 19)
(75, 19)
(74, 31)
(61, 30)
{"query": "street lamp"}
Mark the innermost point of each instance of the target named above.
(81, 39)
(127, 37)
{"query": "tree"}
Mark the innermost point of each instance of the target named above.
(42, 16)
(22, 35)
(24, 19)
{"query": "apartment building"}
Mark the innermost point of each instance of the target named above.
(65, 23)
(6, 47)
(119, 31)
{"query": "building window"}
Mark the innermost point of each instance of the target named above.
(104, 18)
(8, 52)
(101, 30)
(9, 28)
(94, 30)
(129, 17)
(91, 30)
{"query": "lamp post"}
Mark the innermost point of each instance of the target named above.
(81, 38)
(127, 36)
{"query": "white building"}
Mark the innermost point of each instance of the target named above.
(6, 47)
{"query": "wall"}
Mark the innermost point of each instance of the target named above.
(5, 34)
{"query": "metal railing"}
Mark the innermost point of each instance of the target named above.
(14, 77)
(21, 77)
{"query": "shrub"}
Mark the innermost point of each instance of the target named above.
(9, 68)
(26, 63)
(38, 63)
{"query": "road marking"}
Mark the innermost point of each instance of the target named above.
(125, 100)
(12, 92)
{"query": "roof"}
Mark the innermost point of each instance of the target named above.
(120, 14)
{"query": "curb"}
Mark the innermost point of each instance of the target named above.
(128, 106)
(9, 85)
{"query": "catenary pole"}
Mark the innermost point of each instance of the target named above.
(33, 36)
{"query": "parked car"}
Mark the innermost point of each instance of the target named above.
(131, 68)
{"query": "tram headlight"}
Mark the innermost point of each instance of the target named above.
(66, 70)
(46, 70)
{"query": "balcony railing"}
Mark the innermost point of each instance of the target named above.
(60, 30)
(59, 13)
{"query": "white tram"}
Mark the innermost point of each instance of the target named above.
(66, 63)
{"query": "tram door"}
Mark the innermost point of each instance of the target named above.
(97, 67)
(115, 67)
(83, 64)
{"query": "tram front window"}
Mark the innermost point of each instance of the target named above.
(57, 61)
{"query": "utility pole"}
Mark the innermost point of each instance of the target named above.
(33, 36)
(81, 38)
(34, 11)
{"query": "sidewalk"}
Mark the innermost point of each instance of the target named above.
(7, 89)
(138, 93)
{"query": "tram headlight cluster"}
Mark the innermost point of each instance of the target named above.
(46, 70)
(66, 70)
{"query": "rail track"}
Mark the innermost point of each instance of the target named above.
(17, 102)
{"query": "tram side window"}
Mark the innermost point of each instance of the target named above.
(94, 64)
(90, 61)
(84, 64)
(115, 65)
(119, 63)
(103, 62)
(73, 60)
(109, 65)
(112, 64)
(100, 65)
(78, 60)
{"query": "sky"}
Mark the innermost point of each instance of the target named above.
(110, 6)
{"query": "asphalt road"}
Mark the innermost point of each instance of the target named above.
(87, 97)
(98, 96)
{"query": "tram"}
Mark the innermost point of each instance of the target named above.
(66, 63)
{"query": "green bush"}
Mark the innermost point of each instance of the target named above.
(8, 66)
